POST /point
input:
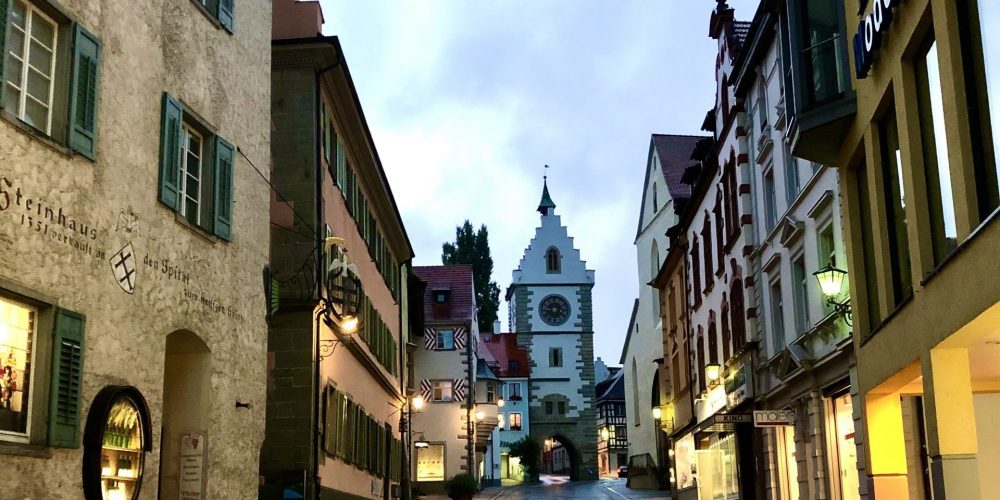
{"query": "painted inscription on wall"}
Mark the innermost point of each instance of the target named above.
(128, 266)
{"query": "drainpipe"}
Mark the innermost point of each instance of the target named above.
(404, 466)
(320, 258)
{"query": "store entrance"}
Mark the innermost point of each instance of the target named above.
(187, 397)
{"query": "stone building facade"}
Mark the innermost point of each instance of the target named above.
(133, 232)
(336, 386)
(551, 311)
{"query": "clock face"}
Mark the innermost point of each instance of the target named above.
(554, 310)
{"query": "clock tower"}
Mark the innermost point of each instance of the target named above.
(550, 310)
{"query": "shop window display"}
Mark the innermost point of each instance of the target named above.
(430, 463)
(116, 441)
(17, 334)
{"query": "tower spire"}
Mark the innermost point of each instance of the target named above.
(546, 206)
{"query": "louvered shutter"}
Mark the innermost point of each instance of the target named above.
(224, 157)
(66, 380)
(332, 421)
(341, 167)
(426, 389)
(83, 94)
(227, 15)
(4, 11)
(170, 152)
(460, 338)
(458, 389)
(341, 425)
(430, 339)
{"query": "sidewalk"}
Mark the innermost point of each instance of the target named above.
(487, 494)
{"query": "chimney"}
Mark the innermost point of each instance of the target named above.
(296, 19)
(496, 326)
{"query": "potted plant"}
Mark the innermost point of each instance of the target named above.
(461, 487)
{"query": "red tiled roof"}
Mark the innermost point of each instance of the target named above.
(458, 280)
(502, 349)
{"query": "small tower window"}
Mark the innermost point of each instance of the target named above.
(553, 261)
(656, 204)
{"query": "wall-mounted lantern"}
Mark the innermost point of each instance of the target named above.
(831, 283)
(713, 372)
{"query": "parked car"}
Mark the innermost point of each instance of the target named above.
(622, 471)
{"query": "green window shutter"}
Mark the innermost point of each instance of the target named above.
(66, 379)
(85, 84)
(224, 157)
(324, 125)
(341, 167)
(227, 14)
(342, 425)
(170, 152)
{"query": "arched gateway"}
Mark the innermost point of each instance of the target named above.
(552, 314)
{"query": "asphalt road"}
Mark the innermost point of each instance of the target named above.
(560, 487)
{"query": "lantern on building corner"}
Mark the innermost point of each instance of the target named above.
(831, 284)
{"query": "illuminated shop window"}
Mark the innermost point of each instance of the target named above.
(17, 334)
(121, 453)
(430, 463)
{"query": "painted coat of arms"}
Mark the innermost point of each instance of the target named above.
(123, 266)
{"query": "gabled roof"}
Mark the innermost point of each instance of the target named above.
(674, 152)
(484, 372)
(502, 349)
(612, 388)
(628, 336)
(457, 279)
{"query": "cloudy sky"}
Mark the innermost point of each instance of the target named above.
(467, 100)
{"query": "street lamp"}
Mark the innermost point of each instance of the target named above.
(712, 373)
(831, 282)
(421, 444)
(417, 403)
(657, 413)
(480, 416)
(500, 403)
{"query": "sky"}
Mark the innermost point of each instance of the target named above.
(468, 100)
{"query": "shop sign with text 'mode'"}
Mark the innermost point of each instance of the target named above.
(868, 39)
(773, 418)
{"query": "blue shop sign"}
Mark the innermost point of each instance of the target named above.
(868, 39)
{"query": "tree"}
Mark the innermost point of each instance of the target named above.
(529, 451)
(473, 248)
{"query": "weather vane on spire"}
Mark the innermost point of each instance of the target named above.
(546, 176)
(547, 205)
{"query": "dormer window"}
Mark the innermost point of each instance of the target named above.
(553, 261)
(440, 297)
(513, 365)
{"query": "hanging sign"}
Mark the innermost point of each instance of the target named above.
(192, 470)
(868, 39)
(773, 418)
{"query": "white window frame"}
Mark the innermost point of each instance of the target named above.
(512, 417)
(491, 393)
(440, 345)
(512, 392)
(187, 132)
(776, 311)
(800, 294)
(31, 13)
(442, 385)
(25, 437)
(770, 198)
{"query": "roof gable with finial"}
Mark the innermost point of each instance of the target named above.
(546, 198)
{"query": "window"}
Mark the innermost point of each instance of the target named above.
(17, 336)
(430, 463)
(761, 103)
(441, 390)
(221, 10)
(793, 184)
(982, 40)
(441, 297)
(196, 171)
(800, 288)
(491, 393)
(654, 269)
(555, 357)
(562, 407)
(706, 238)
(872, 314)
(513, 365)
(553, 261)
(827, 256)
(936, 165)
(822, 51)
(895, 207)
(500, 422)
(777, 316)
(515, 421)
(702, 383)
(444, 340)
(548, 407)
(770, 200)
(50, 74)
(738, 313)
(720, 245)
(514, 391)
(696, 271)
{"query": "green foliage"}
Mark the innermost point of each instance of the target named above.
(461, 486)
(473, 248)
(529, 451)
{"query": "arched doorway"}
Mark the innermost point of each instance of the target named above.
(187, 397)
(560, 458)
